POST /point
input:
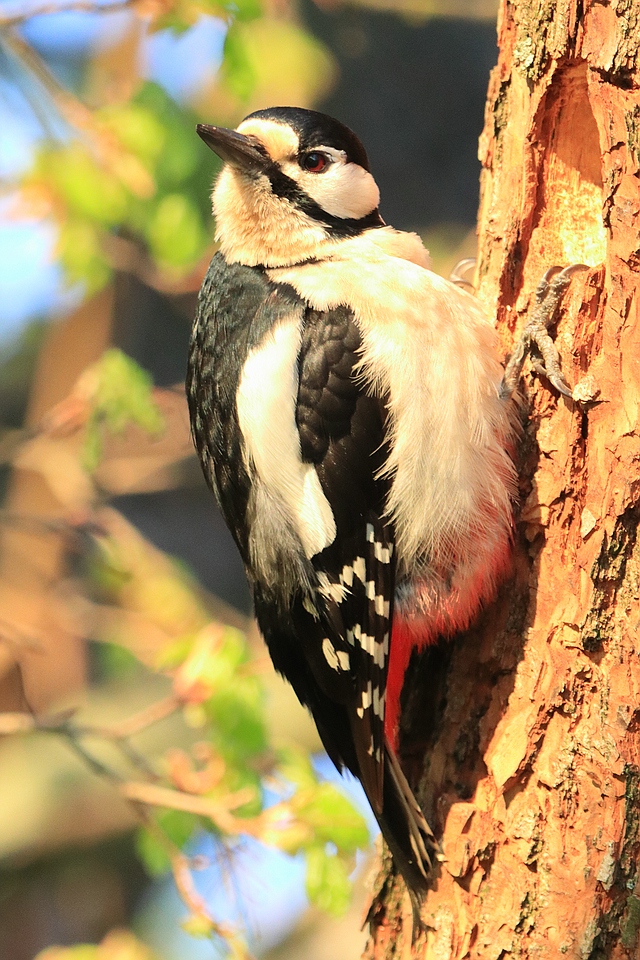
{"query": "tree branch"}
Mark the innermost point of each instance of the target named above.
(144, 718)
(143, 795)
(104, 143)
(76, 6)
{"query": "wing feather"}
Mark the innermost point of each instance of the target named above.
(342, 432)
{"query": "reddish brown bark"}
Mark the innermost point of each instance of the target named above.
(529, 750)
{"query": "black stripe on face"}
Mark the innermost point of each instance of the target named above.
(287, 188)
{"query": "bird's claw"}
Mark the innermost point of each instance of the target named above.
(555, 378)
(535, 338)
(458, 274)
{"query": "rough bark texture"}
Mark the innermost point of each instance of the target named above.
(524, 734)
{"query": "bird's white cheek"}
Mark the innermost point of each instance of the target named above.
(345, 190)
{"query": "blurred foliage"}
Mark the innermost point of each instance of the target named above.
(223, 699)
(134, 168)
(16, 365)
(118, 945)
(119, 394)
(422, 9)
(147, 607)
(128, 186)
(153, 184)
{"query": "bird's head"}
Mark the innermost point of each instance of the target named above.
(294, 182)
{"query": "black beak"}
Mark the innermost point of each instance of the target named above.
(234, 148)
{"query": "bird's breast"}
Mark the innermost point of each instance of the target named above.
(430, 351)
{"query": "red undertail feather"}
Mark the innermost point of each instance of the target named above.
(404, 640)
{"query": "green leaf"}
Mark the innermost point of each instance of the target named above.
(178, 163)
(174, 653)
(236, 711)
(122, 395)
(88, 188)
(92, 447)
(152, 854)
(327, 881)
(210, 660)
(241, 777)
(137, 129)
(333, 818)
(107, 569)
(220, 668)
(244, 9)
(81, 256)
(178, 826)
(291, 837)
(115, 661)
(237, 71)
(296, 767)
(198, 925)
(275, 61)
(175, 232)
(180, 153)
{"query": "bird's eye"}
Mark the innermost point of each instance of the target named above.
(315, 162)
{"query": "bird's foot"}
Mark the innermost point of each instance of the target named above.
(536, 340)
(419, 927)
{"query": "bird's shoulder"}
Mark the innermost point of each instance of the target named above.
(233, 295)
(388, 242)
(380, 274)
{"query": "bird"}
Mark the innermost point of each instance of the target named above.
(349, 411)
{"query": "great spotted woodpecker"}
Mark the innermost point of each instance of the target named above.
(347, 409)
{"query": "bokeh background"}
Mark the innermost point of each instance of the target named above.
(115, 568)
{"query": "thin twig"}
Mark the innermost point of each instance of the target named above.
(98, 767)
(32, 523)
(120, 733)
(14, 635)
(142, 796)
(141, 720)
(75, 112)
(136, 759)
(76, 6)
(73, 735)
(219, 814)
(178, 860)
(106, 147)
(183, 877)
(16, 723)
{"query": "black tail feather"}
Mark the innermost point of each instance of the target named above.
(407, 833)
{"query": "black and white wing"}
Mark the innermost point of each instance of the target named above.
(278, 410)
(342, 432)
(342, 429)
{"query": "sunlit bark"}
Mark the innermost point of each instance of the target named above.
(524, 733)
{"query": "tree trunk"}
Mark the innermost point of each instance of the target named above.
(524, 733)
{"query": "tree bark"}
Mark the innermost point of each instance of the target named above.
(523, 734)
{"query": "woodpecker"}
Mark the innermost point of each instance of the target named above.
(347, 409)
